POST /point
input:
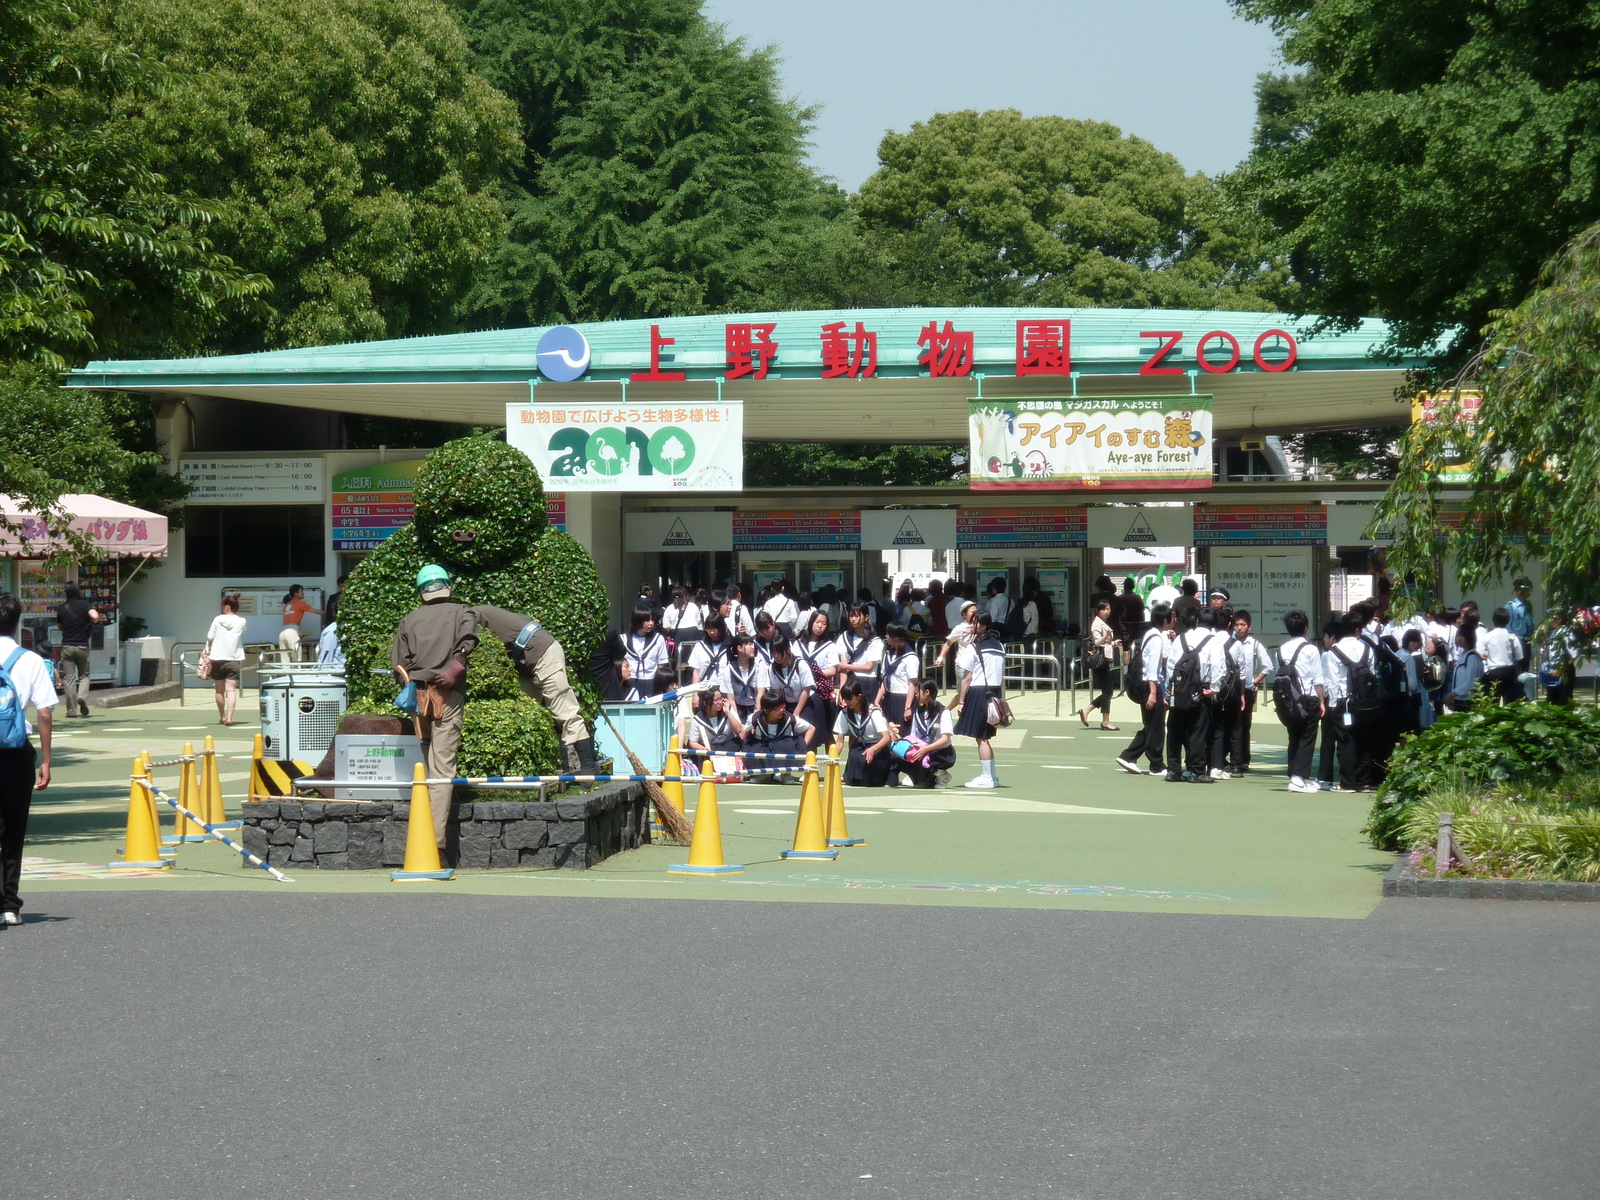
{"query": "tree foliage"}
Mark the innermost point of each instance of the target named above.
(87, 224)
(1537, 443)
(810, 464)
(664, 170)
(1430, 157)
(1349, 453)
(350, 146)
(996, 208)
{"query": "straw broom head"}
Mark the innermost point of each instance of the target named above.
(678, 826)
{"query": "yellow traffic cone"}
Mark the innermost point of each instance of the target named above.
(810, 831)
(422, 852)
(833, 799)
(185, 830)
(141, 849)
(143, 768)
(215, 812)
(705, 848)
(258, 785)
(674, 766)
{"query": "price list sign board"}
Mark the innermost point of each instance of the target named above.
(223, 480)
(1260, 525)
(811, 529)
(1021, 528)
(369, 504)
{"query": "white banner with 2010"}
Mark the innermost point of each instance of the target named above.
(632, 447)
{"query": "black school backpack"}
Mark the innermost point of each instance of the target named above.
(1232, 685)
(1011, 628)
(1134, 684)
(1289, 699)
(1367, 693)
(1186, 686)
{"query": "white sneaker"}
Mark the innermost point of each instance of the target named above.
(1219, 773)
(1307, 789)
(982, 782)
(1130, 768)
(10, 918)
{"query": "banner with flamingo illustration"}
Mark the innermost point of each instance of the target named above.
(1083, 443)
(696, 447)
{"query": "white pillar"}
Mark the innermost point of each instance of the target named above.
(595, 520)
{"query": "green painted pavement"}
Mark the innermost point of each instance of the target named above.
(1067, 830)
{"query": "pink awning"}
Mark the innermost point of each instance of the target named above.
(117, 530)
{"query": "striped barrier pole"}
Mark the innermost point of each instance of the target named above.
(211, 830)
(529, 780)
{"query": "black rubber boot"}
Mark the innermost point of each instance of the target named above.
(588, 764)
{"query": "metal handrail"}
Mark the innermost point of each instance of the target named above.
(1055, 673)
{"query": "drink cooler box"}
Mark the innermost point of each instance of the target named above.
(647, 728)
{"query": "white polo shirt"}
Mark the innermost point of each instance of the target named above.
(30, 677)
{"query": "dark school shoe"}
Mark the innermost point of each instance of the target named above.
(1202, 778)
(1171, 778)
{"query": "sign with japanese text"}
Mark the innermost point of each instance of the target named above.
(681, 532)
(1062, 443)
(602, 447)
(228, 480)
(1260, 525)
(1021, 528)
(1143, 526)
(1267, 586)
(908, 529)
(814, 529)
(370, 503)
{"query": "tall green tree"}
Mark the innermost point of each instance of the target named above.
(997, 208)
(664, 170)
(351, 148)
(1537, 444)
(87, 224)
(1430, 156)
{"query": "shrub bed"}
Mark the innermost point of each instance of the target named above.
(1511, 831)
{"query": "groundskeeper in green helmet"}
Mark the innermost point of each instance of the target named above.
(432, 578)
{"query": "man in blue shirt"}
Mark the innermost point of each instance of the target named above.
(1522, 618)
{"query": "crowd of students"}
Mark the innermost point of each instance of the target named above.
(1345, 701)
(802, 671)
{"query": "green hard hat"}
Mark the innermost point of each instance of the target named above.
(433, 573)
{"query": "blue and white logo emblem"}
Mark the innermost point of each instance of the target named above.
(563, 354)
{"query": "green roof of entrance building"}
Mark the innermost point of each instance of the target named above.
(1334, 380)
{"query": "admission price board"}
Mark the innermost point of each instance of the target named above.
(1260, 525)
(1021, 528)
(813, 529)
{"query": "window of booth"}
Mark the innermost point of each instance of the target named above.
(243, 541)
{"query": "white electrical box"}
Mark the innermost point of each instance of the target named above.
(301, 704)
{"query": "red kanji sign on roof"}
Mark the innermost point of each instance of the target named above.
(949, 350)
(655, 374)
(1044, 347)
(750, 350)
(854, 354)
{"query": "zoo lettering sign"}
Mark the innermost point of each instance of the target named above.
(1062, 443)
(611, 447)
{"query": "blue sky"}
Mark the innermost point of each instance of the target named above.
(1179, 73)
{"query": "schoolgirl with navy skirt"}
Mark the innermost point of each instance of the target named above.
(707, 656)
(816, 646)
(931, 756)
(645, 653)
(860, 651)
(745, 677)
(776, 731)
(870, 758)
(983, 666)
(898, 691)
(682, 619)
(791, 676)
(715, 728)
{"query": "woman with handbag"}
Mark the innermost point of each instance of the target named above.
(1098, 656)
(982, 664)
(223, 656)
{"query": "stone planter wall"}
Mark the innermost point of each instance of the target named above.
(346, 835)
(1403, 881)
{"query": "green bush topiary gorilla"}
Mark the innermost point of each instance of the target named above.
(480, 514)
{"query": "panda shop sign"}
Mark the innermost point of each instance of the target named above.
(1084, 443)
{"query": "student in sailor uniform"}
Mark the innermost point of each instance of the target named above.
(775, 731)
(766, 630)
(646, 654)
(1253, 663)
(961, 630)
(860, 651)
(982, 665)
(745, 677)
(870, 758)
(707, 656)
(716, 727)
(790, 675)
(931, 756)
(898, 691)
(817, 648)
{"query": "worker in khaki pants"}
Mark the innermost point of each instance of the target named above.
(431, 646)
(542, 671)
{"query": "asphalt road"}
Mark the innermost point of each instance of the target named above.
(427, 1045)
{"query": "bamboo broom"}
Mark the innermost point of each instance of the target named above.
(678, 826)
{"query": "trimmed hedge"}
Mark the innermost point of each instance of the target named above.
(1489, 744)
